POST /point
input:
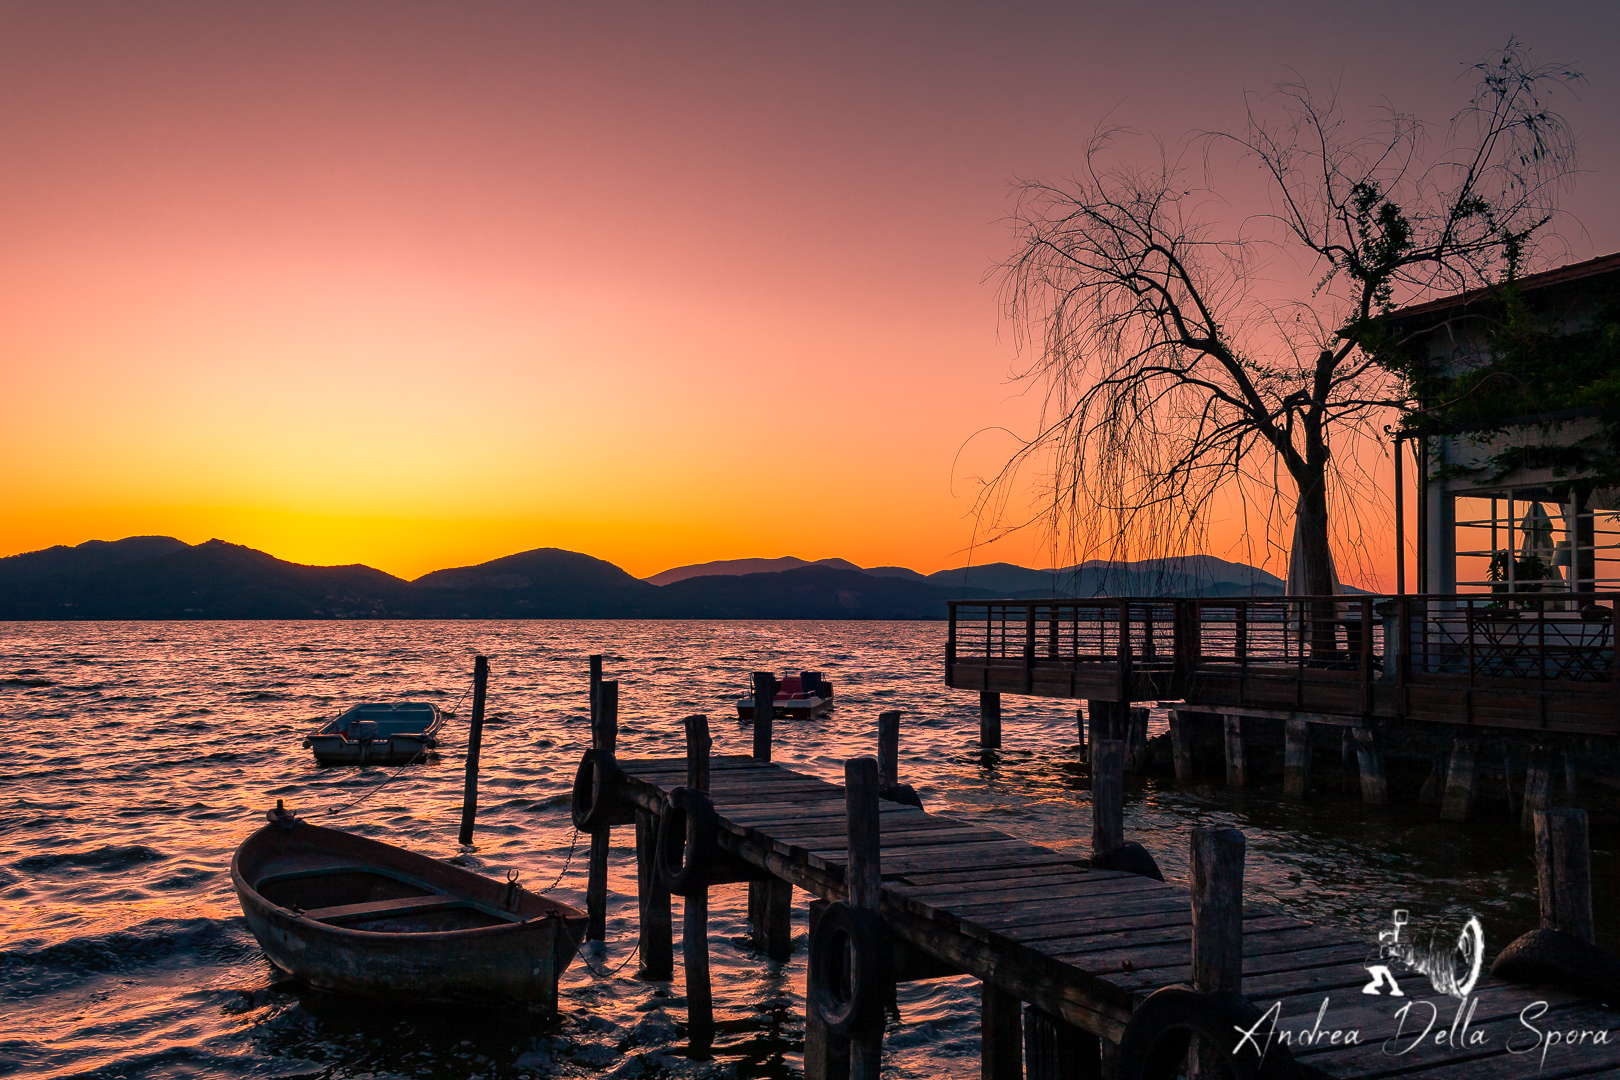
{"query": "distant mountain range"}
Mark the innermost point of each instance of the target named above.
(159, 577)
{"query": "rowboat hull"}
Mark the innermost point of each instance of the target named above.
(355, 916)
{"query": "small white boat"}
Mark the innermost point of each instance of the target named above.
(798, 697)
(377, 733)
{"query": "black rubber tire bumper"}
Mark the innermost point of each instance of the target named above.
(594, 780)
(849, 969)
(687, 848)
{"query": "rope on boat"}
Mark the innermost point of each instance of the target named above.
(379, 786)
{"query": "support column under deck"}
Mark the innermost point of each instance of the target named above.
(1459, 798)
(989, 720)
(1236, 774)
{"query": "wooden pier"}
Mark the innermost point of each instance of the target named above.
(1544, 664)
(1070, 957)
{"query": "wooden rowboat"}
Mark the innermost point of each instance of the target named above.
(355, 916)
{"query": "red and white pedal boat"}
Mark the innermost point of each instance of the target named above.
(798, 697)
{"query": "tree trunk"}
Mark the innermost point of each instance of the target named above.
(1312, 514)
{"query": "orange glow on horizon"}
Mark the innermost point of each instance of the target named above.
(421, 288)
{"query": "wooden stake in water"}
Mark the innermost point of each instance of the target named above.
(475, 740)
(764, 713)
(863, 878)
(695, 913)
(605, 738)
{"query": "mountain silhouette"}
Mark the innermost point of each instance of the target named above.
(159, 577)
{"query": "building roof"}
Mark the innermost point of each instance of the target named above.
(1563, 275)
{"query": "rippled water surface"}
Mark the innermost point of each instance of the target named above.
(140, 754)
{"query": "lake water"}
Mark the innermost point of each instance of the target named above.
(139, 755)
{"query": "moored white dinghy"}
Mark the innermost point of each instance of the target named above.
(377, 733)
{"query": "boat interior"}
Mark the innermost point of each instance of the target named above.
(375, 899)
(381, 721)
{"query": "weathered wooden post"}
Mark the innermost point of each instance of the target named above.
(1136, 751)
(657, 931)
(1374, 790)
(770, 903)
(863, 878)
(1181, 743)
(889, 748)
(1055, 1049)
(1296, 759)
(1107, 796)
(475, 740)
(826, 1056)
(764, 713)
(1537, 787)
(1459, 781)
(1080, 729)
(1001, 1049)
(595, 660)
(695, 913)
(1217, 924)
(1564, 872)
(605, 738)
(989, 720)
(1237, 774)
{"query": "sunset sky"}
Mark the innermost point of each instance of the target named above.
(419, 285)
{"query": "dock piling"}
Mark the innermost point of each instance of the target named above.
(1459, 798)
(1181, 743)
(1107, 797)
(595, 660)
(770, 903)
(1001, 1038)
(1055, 1049)
(695, 909)
(863, 878)
(764, 713)
(1236, 772)
(1564, 872)
(1216, 880)
(604, 737)
(657, 932)
(475, 741)
(826, 1056)
(889, 748)
(1217, 909)
(989, 720)
(1370, 760)
(1537, 787)
(1296, 759)
(1136, 751)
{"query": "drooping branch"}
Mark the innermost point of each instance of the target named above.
(1168, 377)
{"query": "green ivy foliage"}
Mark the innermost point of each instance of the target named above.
(1531, 371)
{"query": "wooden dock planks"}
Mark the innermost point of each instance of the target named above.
(1088, 945)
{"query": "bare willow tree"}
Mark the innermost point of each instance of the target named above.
(1168, 372)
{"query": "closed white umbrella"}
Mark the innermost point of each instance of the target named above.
(1296, 567)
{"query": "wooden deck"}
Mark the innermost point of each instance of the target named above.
(1450, 660)
(1087, 946)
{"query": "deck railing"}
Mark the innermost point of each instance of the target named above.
(1543, 638)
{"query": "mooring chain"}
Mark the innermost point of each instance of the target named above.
(572, 844)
